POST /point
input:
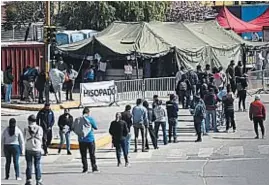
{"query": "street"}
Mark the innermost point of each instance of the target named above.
(221, 159)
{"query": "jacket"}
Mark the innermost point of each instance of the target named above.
(33, 141)
(40, 82)
(45, 119)
(63, 121)
(8, 77)
(56, 77)
(257, 110)
(172, 109)
(228, 102)
(127, 117)
(210, 100)
(118, 130)
(140, 115)
(160, 114)
(193, 77)
(90, 137)
(199, 111)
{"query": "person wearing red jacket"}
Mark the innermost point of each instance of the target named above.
(257, 113)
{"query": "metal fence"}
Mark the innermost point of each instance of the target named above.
(258, 80)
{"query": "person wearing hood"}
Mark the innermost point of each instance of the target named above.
(199, 113)
(57, 80)
(172, 113)
(33, 147)
(12, 146)
(65, 123)
(8, 80)
(45, 119)
(160, 120)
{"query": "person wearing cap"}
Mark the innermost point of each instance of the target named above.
(65, 124)
(12, 146)
(33, 147)
(46, 119)
(257, 114)
(172, 113)
(8, 80)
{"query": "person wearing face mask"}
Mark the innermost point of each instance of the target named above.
(119, 130)
(12, 146)
(65, 124)
(70, 77)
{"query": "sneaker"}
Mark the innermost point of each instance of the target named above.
(135, 150)
(95, 171)
(59, 151)
(198, 140)
(39, 182)
(226, 131)
(143, 150)
(257, 137)
(263, 137)
(18, 178)
(85, 171)
(119, 164)
(127, 164)
(28, 183)
(6, 178)
(69, 153)
(234, 130)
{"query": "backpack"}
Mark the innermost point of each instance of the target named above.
(81, 127)
(183, 86)
(33, 136)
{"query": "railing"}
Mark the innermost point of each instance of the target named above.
(258, 80)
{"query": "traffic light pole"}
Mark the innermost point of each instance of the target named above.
(47, 52)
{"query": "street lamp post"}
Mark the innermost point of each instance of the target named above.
(47, 50)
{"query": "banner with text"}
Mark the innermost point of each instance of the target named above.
(97, 92)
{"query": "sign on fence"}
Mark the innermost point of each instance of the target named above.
(97, 93)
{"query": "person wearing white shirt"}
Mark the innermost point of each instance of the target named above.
(70, 77)
(259, 62)
(128, 71)
(101, 70)
(57, 80)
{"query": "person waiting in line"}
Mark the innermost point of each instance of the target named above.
(238, 71)
(12, 147)
(218, 80)
(257, 114)
(119, 130)
(40, 86)
(61, 65)
(210, 100)
(224, 77)
(33, 147)
(228, 102)
(179, 74)
(155, 101)
(193, 79)
(201, 76)
(65, 124)
(160, 120)
(231, 76)
(212, 85)
(127, 117)
(89, 74)
(242, 85)
(8, 80)
(172, 113)
(70, 77)
(101, 70)
(45, 119)
(183, 90)
(150, 128)
(57, 80)
(140, 122)
(199, 114)
(21, 86)
(128, 70)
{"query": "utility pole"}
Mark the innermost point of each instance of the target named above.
(47, 50)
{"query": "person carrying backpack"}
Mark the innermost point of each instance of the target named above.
(83, 127)
(183, 90)
(33, 135)
(199, 113)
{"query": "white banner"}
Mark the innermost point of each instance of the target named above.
(97, 92)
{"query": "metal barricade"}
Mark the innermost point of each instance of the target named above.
(255, 80)
(129, 89)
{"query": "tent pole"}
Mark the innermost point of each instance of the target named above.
(136, 62)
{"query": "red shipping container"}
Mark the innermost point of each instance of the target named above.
(20, 55)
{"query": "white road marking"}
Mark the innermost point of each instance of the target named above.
(236, 151)
(144, 155)
(49, 158)
(176, 153)
(264, 149)
(205, 152)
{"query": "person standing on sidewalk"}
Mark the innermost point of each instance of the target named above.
(33, 145)
(45, 119)
(119, 130)
(70, 77)
(57, 80)
(12, 146)
(8, 80)
(257, 114)
(150, 128)
(199, 114)
(86, 139)
(210, 100)
(160, 114)
(140, 121)
(172, 113)
(127, 117)
(65, 123)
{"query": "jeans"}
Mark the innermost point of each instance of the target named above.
(229, 116)
(40, 96)
(29, 156)
(163, 125)
(46, 140)
(140, 127)
(83, 147)
(185, 99)
(258, 121)
(203, 127)
(128, 141)
(152, 136)
(8, 93)
(172, 122)
(211, 113)
(198, 125)
(121, 145)
(12, 151)
(193, 90)
(64, 137)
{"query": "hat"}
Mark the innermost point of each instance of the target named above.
(32, 118)
(257, 97)
(47, 104)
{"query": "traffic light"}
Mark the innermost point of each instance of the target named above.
(49, 34)
(53, 34)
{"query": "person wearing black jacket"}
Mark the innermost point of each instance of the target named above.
(119, 130)
(172, 112)
(231, 75)
(150, 129)
(183, 90)
(228, 102)
(127, 117)
(40, 85)
(65, 124)
(45, 119)
(242, 92)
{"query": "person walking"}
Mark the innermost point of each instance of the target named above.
(140, 122)
(127, 117)
(119, 130)
(242, 85)
(210, 100)
(33, 147)
(86, 139)
(172, 113)
(231, 76)
(199, 114)
(45, 119)
(150, 128)
(70, 77)
(184, 90)
(257, 114)
(193, 79)
(160, 120)
(8, 80)
(12, 146)
(65, 123)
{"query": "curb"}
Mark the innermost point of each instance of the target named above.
(74, 145)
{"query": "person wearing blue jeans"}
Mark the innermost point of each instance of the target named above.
(8, 93)
(210, 100)
(160, 114)
(211, 115)
(127, 117)
(8, 80)
(29, 156)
